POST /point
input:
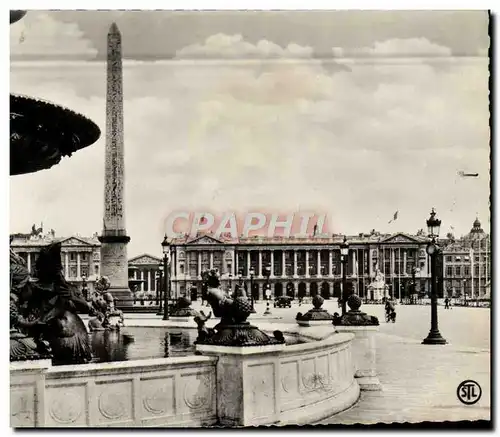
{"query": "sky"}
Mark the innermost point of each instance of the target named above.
(352, 114)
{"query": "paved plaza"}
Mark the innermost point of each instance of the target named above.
(419, 381)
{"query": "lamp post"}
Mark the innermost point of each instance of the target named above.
(344, 252)
(252, 274)
(160, 289)
(85, 291)
(267, 288)
(166, 255)
(414, 272)
(433, 225)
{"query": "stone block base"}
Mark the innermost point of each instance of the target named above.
(123, 297)
(364, 354)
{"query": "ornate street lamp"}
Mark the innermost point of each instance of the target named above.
(85, 291)
(433, 225)
(252, 274)
(166, 259)
(344, 253)
(160, 290)
(267, 288)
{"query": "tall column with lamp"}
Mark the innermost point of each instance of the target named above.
(160, 290)
(344, 254)
(433, 225)
(252, 274)
(166, 260)
(267, 289)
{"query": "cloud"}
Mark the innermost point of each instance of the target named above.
(235, 47)
(283, 136)
(39, 35)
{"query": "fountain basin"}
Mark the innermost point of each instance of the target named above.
(295, 384)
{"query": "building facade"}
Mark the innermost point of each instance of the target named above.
(467, 265)
(80, 256)
(144, 274)
(302, 267)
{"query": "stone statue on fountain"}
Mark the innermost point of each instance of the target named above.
(107, 316)
(233, 328)
(44, 312)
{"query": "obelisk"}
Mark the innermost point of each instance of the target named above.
(114, 239)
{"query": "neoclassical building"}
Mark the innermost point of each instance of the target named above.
(80, 256)
(302, 267)
(145, 268)
(467, 265)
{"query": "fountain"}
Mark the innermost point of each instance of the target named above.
(43, 309)
(245, 376)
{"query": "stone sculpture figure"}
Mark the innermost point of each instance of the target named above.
(47, 308)
(107, 316)
(233, 329)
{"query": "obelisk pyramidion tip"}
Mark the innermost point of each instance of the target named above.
(113, 30)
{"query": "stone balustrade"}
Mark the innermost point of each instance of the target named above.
(143, 393)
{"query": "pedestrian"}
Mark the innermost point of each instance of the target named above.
(447, 304)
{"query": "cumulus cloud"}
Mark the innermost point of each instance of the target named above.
(398, 47)
(235, 47)
(285, 136)
(39, 35)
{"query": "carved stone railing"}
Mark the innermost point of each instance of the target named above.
(279, 384)
(145, 393)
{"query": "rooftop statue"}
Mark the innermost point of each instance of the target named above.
(45, 309)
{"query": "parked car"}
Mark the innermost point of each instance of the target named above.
(283, 302)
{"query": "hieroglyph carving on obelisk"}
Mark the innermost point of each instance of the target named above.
(114, 239)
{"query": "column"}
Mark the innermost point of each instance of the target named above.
(404, 262)
(319, 263)
(247, 273)
(283, 264)
(66, 265)
(233, 262)
(307, 263)
(199, 263)
(259, 274)
(355, 268)
(28, 261)
(295, 263)
(78, 275)
(370, 262)
(211, 260)
(330, 262)
(308, 288)
(272, 263)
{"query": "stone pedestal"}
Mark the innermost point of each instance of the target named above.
(238, 369)
(27, 393)
(364, 355)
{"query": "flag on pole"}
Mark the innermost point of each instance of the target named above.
(395, 217)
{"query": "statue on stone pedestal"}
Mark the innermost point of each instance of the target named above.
(45, 309)
(378, 289)
(233, 329)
